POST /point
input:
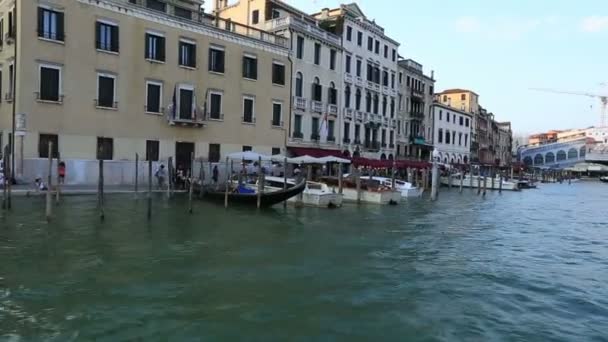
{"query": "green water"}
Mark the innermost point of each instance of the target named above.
(528, 266)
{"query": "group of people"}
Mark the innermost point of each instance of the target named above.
(180, 178)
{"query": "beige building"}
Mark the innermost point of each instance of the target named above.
(106, 79)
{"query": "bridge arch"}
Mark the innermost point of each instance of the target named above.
(549, 158)
(528, 161)
(561, 155)
(572, 153)
(582, 152)
(538, 159)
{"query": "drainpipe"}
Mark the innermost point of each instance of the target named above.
(290, 90)
(14, 128)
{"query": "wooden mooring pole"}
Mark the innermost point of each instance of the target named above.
(284, 180)
(58, 188)
(485, 185)
(340, 180)
(136, 174)
(358, 184)
(150, 188)
(49, 208)
(227, 186)
(100, 191)
(500, 183)
(191, 176)
(461, 180)
(5, 181)
(479, 181)
(260, 183)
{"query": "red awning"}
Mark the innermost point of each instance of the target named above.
(400, 164)
(315, 152)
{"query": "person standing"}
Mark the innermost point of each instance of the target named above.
(61, 172)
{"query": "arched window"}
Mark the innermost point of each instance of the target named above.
(368, 102)
(384, 105)
(572, 153)
(317, 90)
(392, 107)
(550, 158)
(582, 152)
(332, 95)
(538, 159)
(528, 161)
(561, 155)
(347, 96)
(440, 136)
(299, 84)
(376, 100)
(358, 99)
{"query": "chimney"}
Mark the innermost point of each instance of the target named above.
(325, 12)
(432, 74)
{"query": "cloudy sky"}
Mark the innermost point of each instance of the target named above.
(501, 49)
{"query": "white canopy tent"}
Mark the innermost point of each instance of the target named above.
(332, 159)
(248, 155)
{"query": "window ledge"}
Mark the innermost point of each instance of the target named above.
(278, 85)
(216, 73)
(277, 127)
(109, 52)
(155, 61)
(50, 40)
(250, 79)
(49, 101)
(154, 113)
(218, 120)
(187, 67)
(248, 123)
(107, 108)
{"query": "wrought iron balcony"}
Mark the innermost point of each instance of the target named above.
(416, 115)
(298, 135)
(198, 118)
(417, 94)
(359, 81)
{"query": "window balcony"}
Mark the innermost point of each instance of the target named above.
(376, 87)
(331, 140)
(391, 146)
(416, 115)
(315, 137)
(316, 106)
(372, 146)
(299, 103)
(298, 135)
(417, 94)
(297, 23)
(383, 145)
(348, 78)
(332, 110)
(276, 124)
(346, 141)
(348, 113)
(359, 81)
(359, 116)
(195, 119)
(386, 90)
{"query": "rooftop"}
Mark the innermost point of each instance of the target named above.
(457, 91)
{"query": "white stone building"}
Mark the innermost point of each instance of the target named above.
(452, 134)
(369, 82)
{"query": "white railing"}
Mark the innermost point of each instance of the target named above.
(299, 103)
(332, 110)
(304, 26)
(348, 113)
(359, 81)
(348, 78)
(316, 106)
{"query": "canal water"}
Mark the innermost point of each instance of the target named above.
(527, 266)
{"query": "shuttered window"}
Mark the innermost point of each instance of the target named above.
(153, 97)
(50, 24)
(106, 91)
(250, 67)
(186, 96)
(106, 36)
(187, 54)
(155, 47)
(49, 83)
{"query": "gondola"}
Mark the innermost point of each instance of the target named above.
(604, 179)
(250, 199)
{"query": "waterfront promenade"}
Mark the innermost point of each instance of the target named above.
(514, 266)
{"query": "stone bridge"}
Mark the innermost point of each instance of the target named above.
(556, 155)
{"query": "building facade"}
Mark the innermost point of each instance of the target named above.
(316, 114)
(369, 82)
(105, 79)
(415, 108)
(452, 134)
(505, 144)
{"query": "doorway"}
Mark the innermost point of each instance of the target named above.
(183, 152)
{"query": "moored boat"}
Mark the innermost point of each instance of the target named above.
(604, 179)
(248, 195)
(371, 191)
(476, 181)
(315, 194)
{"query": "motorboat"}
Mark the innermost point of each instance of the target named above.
(315, 194)
(477, 181)
(405, 188)
(371, 190)
(604, 179)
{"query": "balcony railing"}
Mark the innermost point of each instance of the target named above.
(299, 103)
(298, 135)
(332, 110)
(300, 24)
(372, 145)
(359, 81)
(195, 119)
(315, 137)
(416, 115)
(359, 116)
(331, 139)
(417, 94)
(348, 113)
(316, 106)
(348, 78)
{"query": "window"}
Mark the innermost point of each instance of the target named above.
(347, 64)
(275, 14)
(156, 5)
(392, 107)
(107, 36)
(11, 79)
(299, 84)
(440, 136)
(357, 132)
(370, 43)
(377, 75)
(445, 98)
(247, 148)
(248, 109)
(297, 125)
(376, 103)
(394, 55)
(461, 121)
(278, 73)
(447, 117)
(409, 80)
(359, 68)
(385, 51)
(315, 128)
(347, 96)
(154, 92)
(453, 138)
(216, 59)
(43, 145)
(431, 90)
(368, 102)
(276, 151)
(393, 81)
(255, 17)
(463, 97)
(358, 99)
(385, 78)
(466, 122)
(106, 91)
(346, 132)
(11, 24)
(187, 54)
(400, 102)
(50, 83)
(50, 24)
(182, 12)
(332, 94)
(383, 137)
(215, 106)
(152, 150)
(370, 72)
(398, 126)
(300, 48)
(277, 114)
(447, 137)
(214, 153)
(317, 53)
(392, 138)
(377, 49)
(317, 90)
(459, 139)
(360, 38)
(332, 59)
(105, 148)
(349, 33)
(185, 103)
(330, 129)
(155, 47)
(440, 115)
(466, 139)
(384, 105)
(250, 67)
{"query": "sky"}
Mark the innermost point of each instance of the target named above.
(502, 49)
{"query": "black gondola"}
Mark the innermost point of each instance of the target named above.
(267, 199)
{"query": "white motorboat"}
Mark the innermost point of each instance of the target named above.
(315, 194)
(476, 181)
(405, 188)
(372, 191)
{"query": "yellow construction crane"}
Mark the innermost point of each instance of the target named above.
(603, 100)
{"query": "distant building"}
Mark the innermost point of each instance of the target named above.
(452, 134)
